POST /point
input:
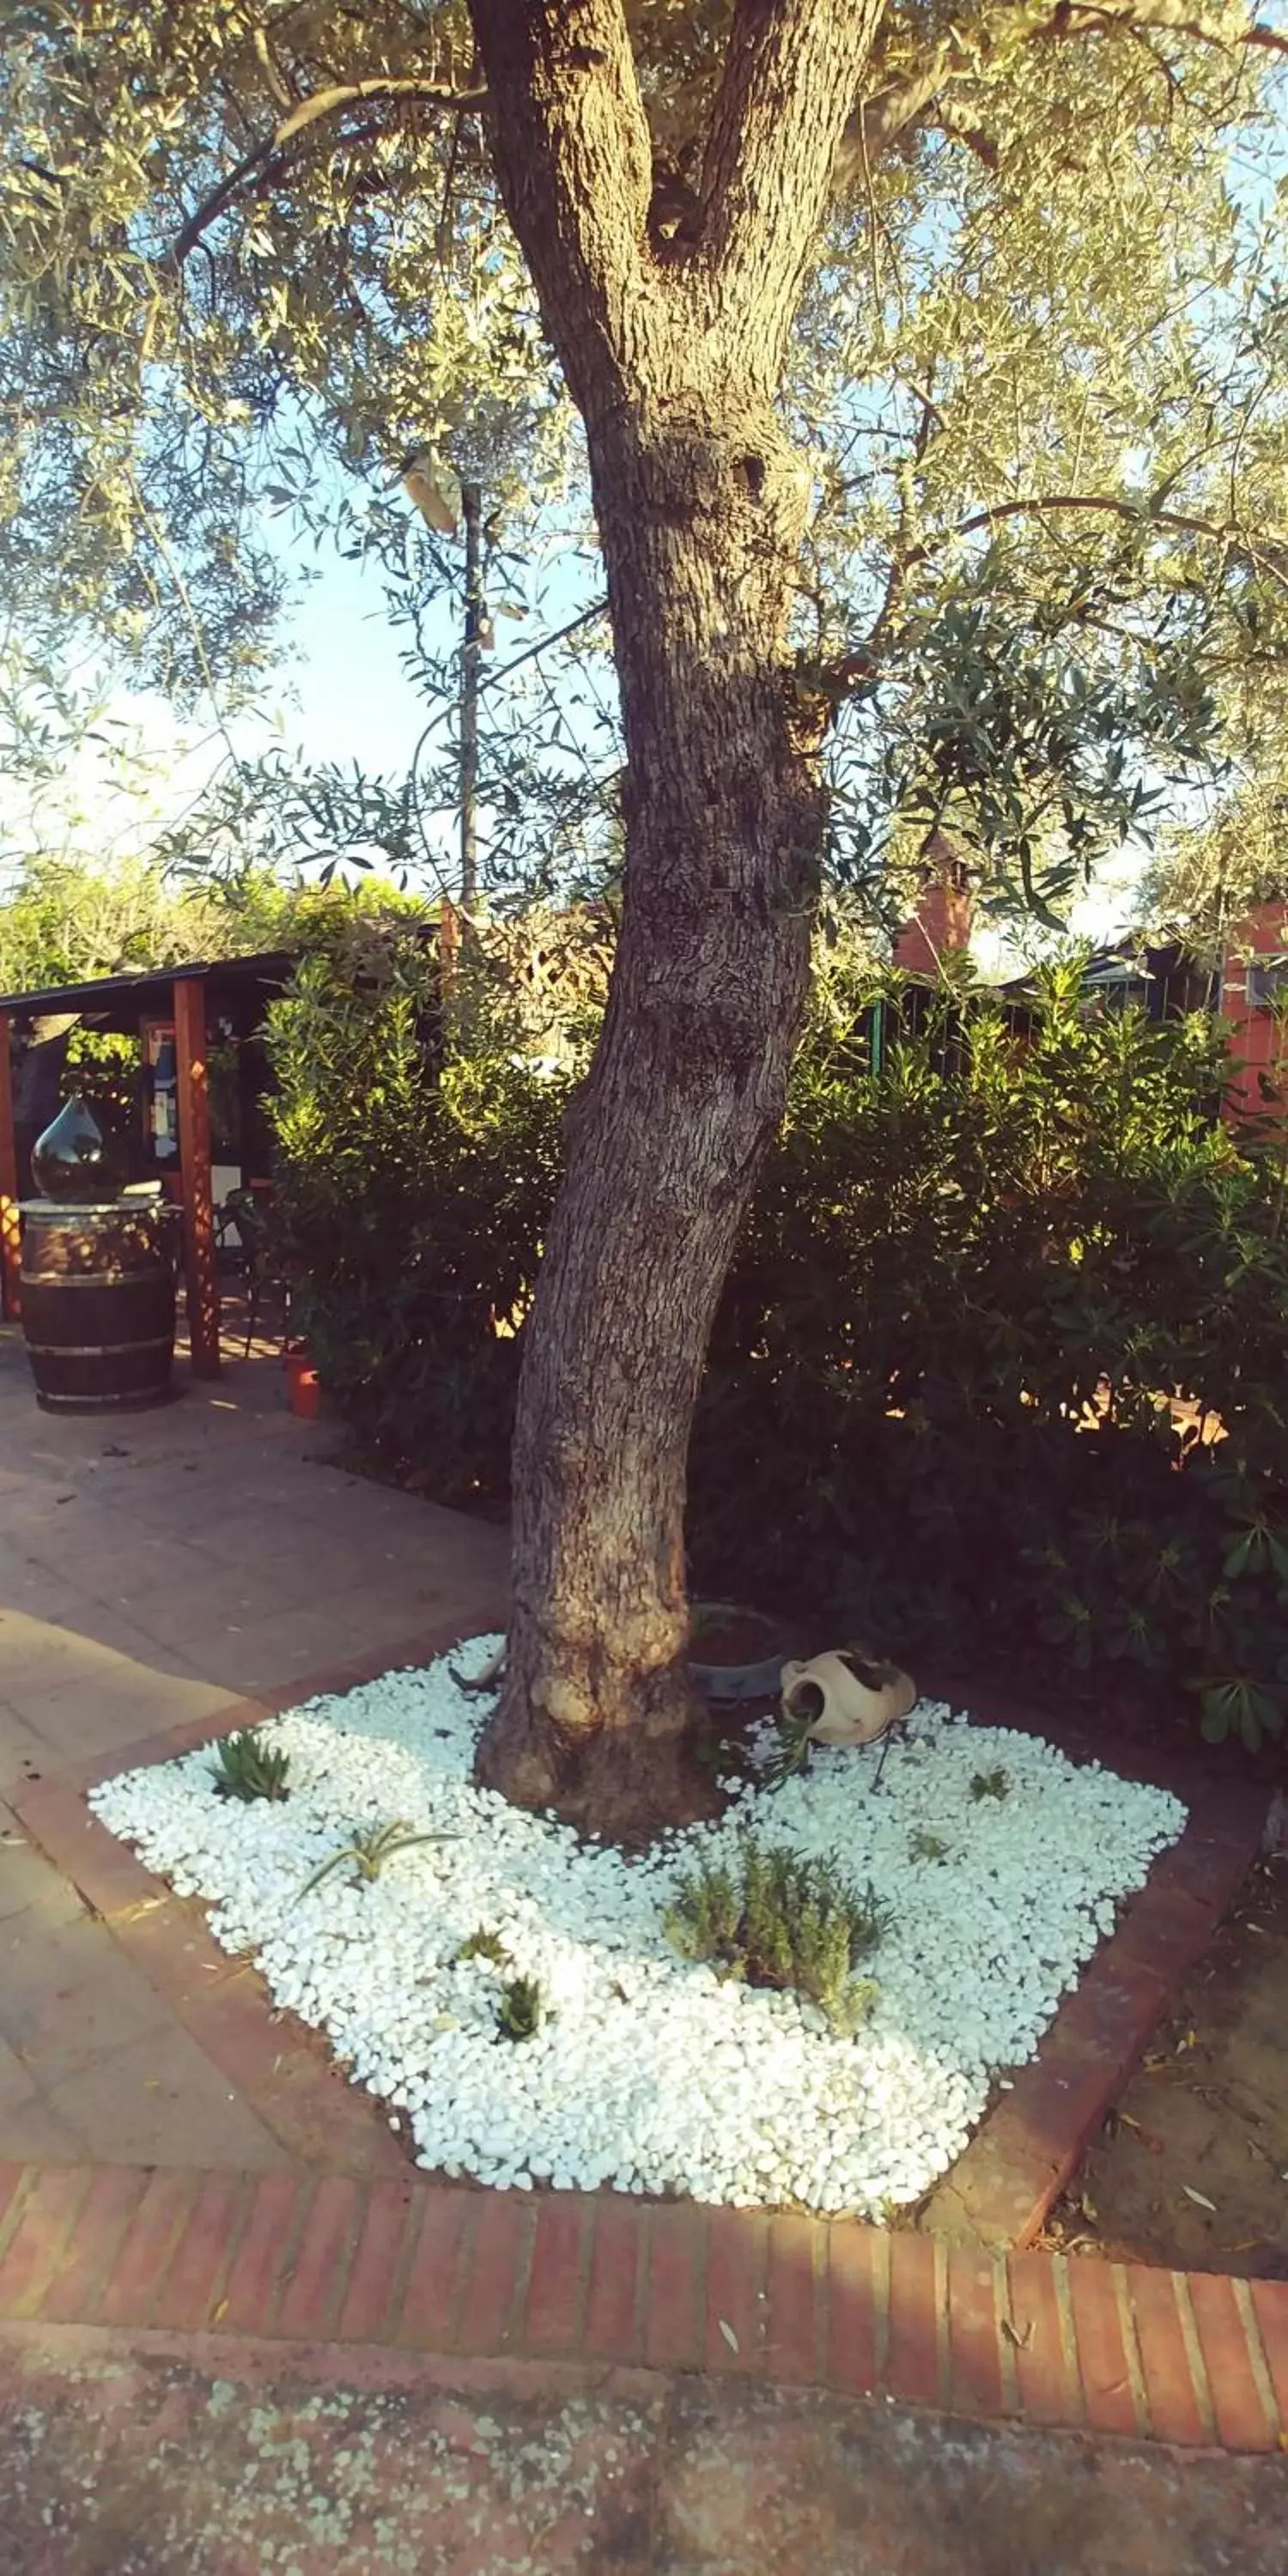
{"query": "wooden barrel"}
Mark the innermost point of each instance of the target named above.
(97, 1306)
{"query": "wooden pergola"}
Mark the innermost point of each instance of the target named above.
(195, 999)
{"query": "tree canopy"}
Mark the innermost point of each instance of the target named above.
(253, 254)
(924, 367)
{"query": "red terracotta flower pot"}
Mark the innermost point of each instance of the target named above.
(303, 1394)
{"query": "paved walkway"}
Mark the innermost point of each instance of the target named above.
(137, 2459)
(151, 1572)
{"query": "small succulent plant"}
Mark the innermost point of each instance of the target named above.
(521, 2009)
(247, 1768)
(923, 1846)
(368, 1853)
(484, 1945)
(989, 1784)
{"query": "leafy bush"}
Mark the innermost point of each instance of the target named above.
(414, 1180)
(998, 1373)
(781, 1921)
(1000, 1364)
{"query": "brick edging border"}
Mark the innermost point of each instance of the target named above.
(1004, 2185)
(999, 2193)
(593, 2282)
(361, 2252)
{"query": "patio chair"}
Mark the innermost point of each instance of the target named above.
(243, 1235)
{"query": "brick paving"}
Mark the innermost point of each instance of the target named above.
(178, 2160)
(418, 2266)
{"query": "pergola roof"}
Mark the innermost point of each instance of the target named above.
(236, 988)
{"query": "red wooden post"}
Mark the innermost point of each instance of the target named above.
(193, 1072)
(10, 1295)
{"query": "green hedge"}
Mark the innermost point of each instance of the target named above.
(994, 1299)
(413, 1185)
(993, 1304)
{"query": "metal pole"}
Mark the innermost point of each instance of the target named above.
(190, 1047)
(471, 664)
(10, 1255)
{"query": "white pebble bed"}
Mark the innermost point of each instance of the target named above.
(650, 2073)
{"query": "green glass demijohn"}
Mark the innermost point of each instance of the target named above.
(74, 1159)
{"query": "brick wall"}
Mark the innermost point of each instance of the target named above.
(943, 918)
(1263, 933)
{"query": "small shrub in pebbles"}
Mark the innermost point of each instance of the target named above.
(781, 1921)
(647, 2071)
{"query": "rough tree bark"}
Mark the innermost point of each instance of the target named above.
(673, 351)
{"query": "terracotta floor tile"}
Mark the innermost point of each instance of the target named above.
(98, 1547)
(30, 2133)
(267, 1653)
(160, 2101)
(251, 1533)
(120, 1610)
(80, 1718)
(17, 2085)
(214, 1596)
(20, 1748)
(375, 1615)
(36, 1647)
(53, 1666)
(150, 1571)
(67, 1995)
(131, 1640)
(27, 1879)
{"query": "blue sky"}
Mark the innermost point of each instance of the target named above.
(341, 695)
(355, 700)
(355, 703)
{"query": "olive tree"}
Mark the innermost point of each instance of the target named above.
(925, 366)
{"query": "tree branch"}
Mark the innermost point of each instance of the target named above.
(1272, 559)
(1175, 17)
(903, 556)
(575, 165)
(902, 103)
(791, 72)
(877, 122)
(323, 102)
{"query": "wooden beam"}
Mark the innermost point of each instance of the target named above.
(10, 1294)
(193, 1071)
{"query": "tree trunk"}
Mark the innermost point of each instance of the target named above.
(700, 517)
(672, 352)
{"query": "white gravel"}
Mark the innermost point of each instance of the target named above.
(649, 2073)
